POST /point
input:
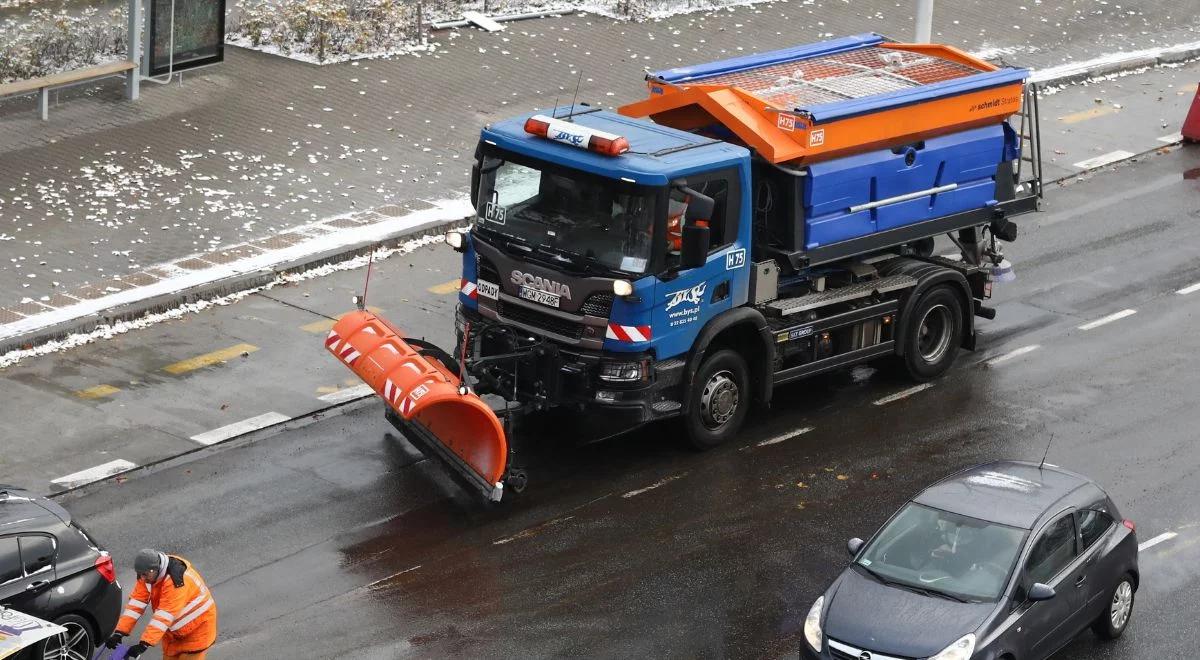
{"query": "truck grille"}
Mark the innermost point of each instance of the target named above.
(487, 271)
(536, 319)
(598, 304)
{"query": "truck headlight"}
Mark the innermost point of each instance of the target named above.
(455, 240)
(812, 624)
(622, 372)
(960, 650)
(622, 287)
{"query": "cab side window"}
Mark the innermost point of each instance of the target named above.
(1053, 551)
(10, 560)
(722, 226)
(37, 553)
(1092, 525)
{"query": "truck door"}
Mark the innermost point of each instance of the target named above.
(686, 299)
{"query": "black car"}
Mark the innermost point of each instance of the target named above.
(1004, 561)
(51, 569)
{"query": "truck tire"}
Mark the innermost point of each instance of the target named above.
(719, 400)
(933, 334)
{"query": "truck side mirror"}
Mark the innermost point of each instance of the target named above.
(694, 251)
(853, 546)
(700, 207)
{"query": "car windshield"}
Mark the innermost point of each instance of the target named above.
(574, 218)
(944, 552)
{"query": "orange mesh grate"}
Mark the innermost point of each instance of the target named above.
(850, 75)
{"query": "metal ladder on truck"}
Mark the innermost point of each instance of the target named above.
(1030, 132)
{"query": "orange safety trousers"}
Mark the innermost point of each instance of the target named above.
(185, 616)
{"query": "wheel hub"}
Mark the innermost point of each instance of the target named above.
(719, 400)
(933, 337)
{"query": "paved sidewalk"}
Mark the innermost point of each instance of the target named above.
(110, 194)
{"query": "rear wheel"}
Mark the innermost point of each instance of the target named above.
(77, 643)
(1114, 620)
(718, 400)
(933, 334)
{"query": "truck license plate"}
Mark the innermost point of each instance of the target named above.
(539, 296)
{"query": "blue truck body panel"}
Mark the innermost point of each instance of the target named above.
(967, 159)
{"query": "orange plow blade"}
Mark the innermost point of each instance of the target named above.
(429, 402)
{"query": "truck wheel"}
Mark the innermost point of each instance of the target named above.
(718, 400)
(933, 334)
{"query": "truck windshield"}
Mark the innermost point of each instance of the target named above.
(570, 216)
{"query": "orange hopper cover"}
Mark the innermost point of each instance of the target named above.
(422, 390)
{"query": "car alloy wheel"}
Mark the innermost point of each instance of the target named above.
(1122, 604)
(74, 644)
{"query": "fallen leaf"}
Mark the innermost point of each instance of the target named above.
(842, 477)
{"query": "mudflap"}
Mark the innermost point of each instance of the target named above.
(429, 402)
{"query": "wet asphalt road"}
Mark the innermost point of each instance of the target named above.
(337, 541)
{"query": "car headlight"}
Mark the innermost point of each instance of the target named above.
(960, 650)
(621, 372)
(812, 624)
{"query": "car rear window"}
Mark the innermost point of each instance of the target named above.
(10, 560)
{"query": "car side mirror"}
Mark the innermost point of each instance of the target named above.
(694, 251)
(1040, 592)
(853, 546)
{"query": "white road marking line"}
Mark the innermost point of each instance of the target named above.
(1108, 319)
(393, 575)
(1189, 289)
(1172, 138)
(786, 436)
(238, 428)
(94, 473)
(347, 394)
(1165, 536)
(661, 482)
(902, 394)
(1104, 159)
(1012, 354)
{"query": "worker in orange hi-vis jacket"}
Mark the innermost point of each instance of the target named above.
(185, 614)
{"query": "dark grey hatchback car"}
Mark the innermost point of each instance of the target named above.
(1004, 561)
(51, 569)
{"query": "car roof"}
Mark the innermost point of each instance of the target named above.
(21, 510)
(1013, 493)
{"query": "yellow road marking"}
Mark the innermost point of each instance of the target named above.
(1191, 87)
(453, 286)
(325, 389)
(325, 325)
(97, 392)
(208, 359)
(1076, 117)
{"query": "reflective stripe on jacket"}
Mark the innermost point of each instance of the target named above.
(179, 598)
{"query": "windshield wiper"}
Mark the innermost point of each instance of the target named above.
(912, 587)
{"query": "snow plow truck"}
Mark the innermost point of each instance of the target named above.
(751, 222)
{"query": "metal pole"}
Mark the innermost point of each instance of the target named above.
(924, 21)
(134, 43)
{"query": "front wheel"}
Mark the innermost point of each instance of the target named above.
(933, 334)
(718, 400)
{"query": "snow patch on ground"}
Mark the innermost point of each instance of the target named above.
(103, 332)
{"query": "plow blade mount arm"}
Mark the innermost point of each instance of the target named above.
(430, 404)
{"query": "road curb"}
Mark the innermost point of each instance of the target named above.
(1072, 73)
(218, 288)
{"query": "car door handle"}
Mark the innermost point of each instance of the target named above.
(33, 586)
(1080, 580)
